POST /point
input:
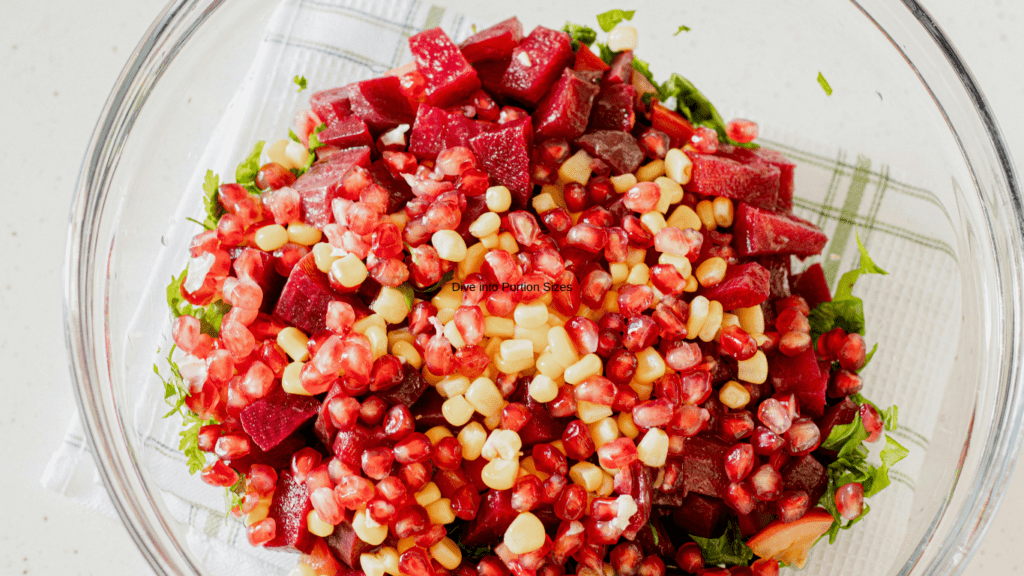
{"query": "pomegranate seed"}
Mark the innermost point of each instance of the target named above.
(501, 267)
(393, 490)
(471, 361)
(526, 493)
(792, 320)
(685, 243)
(491, 566)
(470, 322)
(577, 441)
(705, 140)
(667, 279)
(377, 462)
(803, 437)
(353, 491)
(550, 460)
(553, 488)
(598, 216)
(410, 520)
(448, 453)
(514, 416)
(272, 176)
(872, 422)
(671, 315)
(790, 402)
(398, 423)
(438, 356)
(587, 237)
(501, 303)
(850, 500)
(654, 143)
(415, 448)
(735, 342)
(695, 388)
(186, 332)
(740, 497)
(208, 437)
(689, 558)
(466, 502)
(572, 502)
(643, 197)
(259, 533)
(557, 220)
(652, 566)
(767, 483)
(736, 425)
(681, 355)
(774, 415)
(576, 197)
(830, 343)
(639, 236)
(373, 410)
(765, 567)
(793, 504)
(793, 343)
(303, 462)
(425, 264)
(634, 299)
(617, 248)
(618, 453)
(231, 446)
(454, 161)
(325, 502)
(844, 383)
(219, 474)
(596, 390)
(414, 562)
(564, 404)
(626, 558)
(430, 536)
(652, 413)
(600, 189)
(641, 333)
(742, 131)
(739, 461)
(583, 333)
(689, 420)
(621, 367)
(853, 353)
(319, 477)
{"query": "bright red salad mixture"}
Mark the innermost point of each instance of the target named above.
(515, 309)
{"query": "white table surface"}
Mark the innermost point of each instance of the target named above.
(58, 61)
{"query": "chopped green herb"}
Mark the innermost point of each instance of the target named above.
(300, 81)
(429, 290)
(209, 317)
(233, 496)
(213, 208)
(824, 84)
(473, 27)
(293, 136)
(611, 18)
(654, 532)
(407, 291)
(845, 311)
(314, 143)
(643, 68)
(682, 29)
(175, 394)
(605, 53)
(579, 34)
(245, 174)
(729, 548)
(696, 107)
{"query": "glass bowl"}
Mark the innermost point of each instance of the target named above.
(948, 317)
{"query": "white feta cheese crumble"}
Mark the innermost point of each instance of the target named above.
(395, 136)
(198, 268)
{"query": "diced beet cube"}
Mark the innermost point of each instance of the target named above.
(278, 457)
(331, 105)
(536, 64)
(565, 111)
(408, 391)
(704, 466)
(800, 375)
(807, 474)
(617, 149)
(744, 285)
(620, 71)
(289, 509)
(778, 276)
(266, 276)
(493, 518)
(427, 137)
(473, 468)
(449, 77)
(721, 176)
(381, 103)
(491, 73)
(679, 130)
(458, 130)
(586, 60)
(785, 166)
(757, 231)
(348, 132)
(542, 426)
(270, 420)
(613, 109)
(346, 546)
(319, 186)
(811, 285)
(494, 43)
(836, 415)
(505, 155)
(449, 481)
(660, 546)
(761, 516)
(398, 189)
(306, 295)
(702, 516)
(427, 411)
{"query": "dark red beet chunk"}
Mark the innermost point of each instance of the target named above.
(304, 299)
(494, 43)
(800, 375)
(494, 517)
(319, 186)
(345, 545)
(760, 517)
(778, 275)
(409, 390)
(279, 457)
(427, 410)
(448, 75)
(459, 129)
(491, 73)
(617, 149)
(720, 176)
(505, 155)
(381, 104)
(811, 285)
(613, 109)
(348, 132)
(784, 203)
(807, 474)
(565, 111)
(536, 64)
(757, 231)
(702, 515)
(289, 510)
(398, 189)
(331, 105)
(542, 426)
(620, 71)
(349, 445)
(704, 467)
(427, 136)
(744, 285)
(268, 421)
(646, 539)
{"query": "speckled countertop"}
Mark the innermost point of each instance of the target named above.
(58, 61)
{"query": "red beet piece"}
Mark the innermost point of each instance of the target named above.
(380, 103)
(586, 60)
(679, 130)
(349, 445)
(542, 426)
(646, 539)
(448, 75)
(491, 73)
(800, 375)
(398, 189)
(756, 183)
(427, 410)
(289, 510)
(345, 545)
(319, 186)
(807, 474)
(505, 155)
(811, 285)
(494, 43)
(836, 415)
(270, 420)
(565, 111)
(494, 517)
(778, 275)
(536, 63)
(620, 71)
(331, 105)
(408, 391)
(704, 466)
(279, 457)
(458, 130)
(784, 203)
(702, 515)
(744, 285)
(347, 132)
(427, 136)
(613, 109)
(617, 149)
(306, 295)
(762, 515)
(757, 231)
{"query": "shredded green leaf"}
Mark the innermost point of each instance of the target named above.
(610, 19)
(175, 394)
(233, 496)
(579, 34)
(300, 81)
(429, 290)
(314, 143)
(407, 291)
(210, 317)
(643, 68)
(245, 174)
(824, 84)
(729, 548)
(214, 210)
(845, 311)
(654, 532)
(682, 29)
(293, 136)
(696, 107)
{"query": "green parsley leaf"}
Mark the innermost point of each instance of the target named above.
(696, 107)
(314, 143)
(605, 53)
(824, 84)
(846, 438)
(293, 136)
(682, 29)
(210, 317)
(245, 174)
(214, 210)
(300, 81)
(429, 290)
(892, 453)
(611, 18)
(233, 496)
(867, 266)
(644, 68)
(407, 291)
(727, 549)
(579, 34)
(175, 394)
(654, 532)
(845, 310)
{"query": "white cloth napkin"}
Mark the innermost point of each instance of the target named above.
(334, 42)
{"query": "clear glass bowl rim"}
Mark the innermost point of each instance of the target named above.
(152, 532)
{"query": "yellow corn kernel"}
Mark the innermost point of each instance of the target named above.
(374, 535)
(589, 412)
(671, 193)
(699, 308)
(498, 327)
(428, 494)
(691, 284)
(405, 350)
(706, 213)
(678, 166)
(751, 319)
(474, 259)
(730, 320)
(456, 410)
(531, 315)
(449, 245)
(712, 323)
(447, 297)
(484, 396)
(371, 564)
(453, 385)
(650, 171)
(562, 348)
(639, 274)
(754, 370)
(437, 433)
(451, 332)
(653, 221)
(587, 366)
(619, 272)
(507, 242)
(323, 257)
(378, 341)
(626, 425)
(653, 449)
(734, 395)
(711, 271)
(270, 238)
(303, 234)
(472, 438)
(684, 217)
(290, 379)
(294, 343)
(447, 553)
(548, 366)
(391, 305)
(498, 199)
(485, 224)
(603, 431)
(544, 203)
(575, 169)
(649, 366)
(587, 475)
(400, 335)
(490, 241)
(643, 390)
(723, 211)
(525, 534)
(349, 271)
(623, 183)
(500, 474)
(543, 388)
(635, 256)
